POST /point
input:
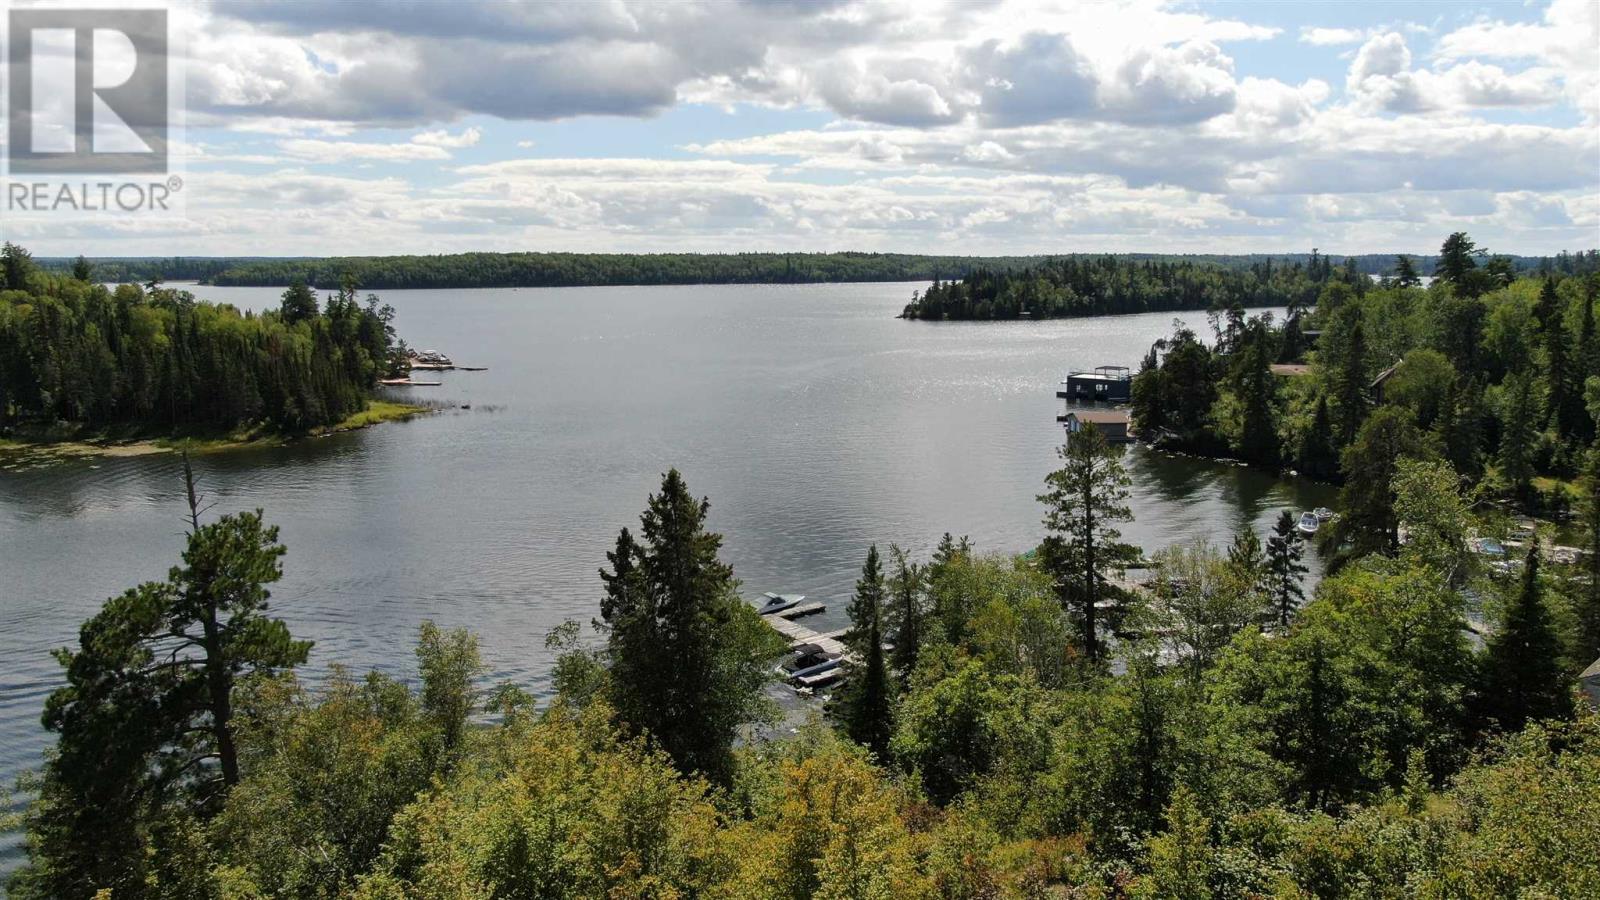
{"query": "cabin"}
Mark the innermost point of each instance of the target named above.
(1113, 424)
(1590, 682)
(1103, 384)
(1376, 388)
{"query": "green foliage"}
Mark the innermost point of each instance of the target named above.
(1523, 676)
(147, 738)
(865, 706)
(1085, 500)
(1091, 285)
(1285, 571)
(1369, 522)
(688, 658)
(157, 360)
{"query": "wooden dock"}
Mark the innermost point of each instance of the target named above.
(799, 610)
(799, 634)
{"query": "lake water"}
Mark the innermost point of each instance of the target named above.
(814, 421)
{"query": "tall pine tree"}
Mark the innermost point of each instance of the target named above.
(1285, 571)
(1523, 679)
(688, 658)
(1087, 496)
(865, 708)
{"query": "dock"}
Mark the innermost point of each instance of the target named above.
(798, 611)
(797, 634)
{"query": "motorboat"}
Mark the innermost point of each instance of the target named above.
(1308, 523)
(1322, 513)
(776, 603)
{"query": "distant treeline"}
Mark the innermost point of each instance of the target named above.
(75, 354)
(1112, 285)
(470, 270)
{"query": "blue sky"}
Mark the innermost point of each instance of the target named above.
(996, 127)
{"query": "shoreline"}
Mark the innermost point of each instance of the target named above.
(15, 452)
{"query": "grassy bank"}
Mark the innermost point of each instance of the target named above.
(38, 445)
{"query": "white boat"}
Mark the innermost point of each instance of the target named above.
(1308, 523)
(1323, 513)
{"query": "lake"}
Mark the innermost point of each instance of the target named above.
(815, 422)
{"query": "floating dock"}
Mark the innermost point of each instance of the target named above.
(827, 642)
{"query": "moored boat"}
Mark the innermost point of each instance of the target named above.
(1309, 522)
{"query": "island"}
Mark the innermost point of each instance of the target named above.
(85, 368)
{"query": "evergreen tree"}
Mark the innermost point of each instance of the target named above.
(950, 604)
(1317, 458)
(1256, 389)
(1518, 433)
(1523, 678)
(1247, 565)
(1369, 522)
(1351, 383)
(82, 270)
(1285, 571)
(1459, 428)
(1149, 397)
(905, 619)
(688, 658)
(145, 722)
(1405, 272)
(1087, 496)
(1588, 596)
(865, 709)
(299, 303)
(1458, 265)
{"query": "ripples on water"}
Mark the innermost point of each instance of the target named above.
(814, 421)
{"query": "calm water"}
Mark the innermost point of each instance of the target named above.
(815, 422)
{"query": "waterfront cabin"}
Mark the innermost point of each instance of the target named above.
(1103, 384)
(1113, 424)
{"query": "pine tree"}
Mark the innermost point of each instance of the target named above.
(1405, 272)
(299, 303)
(688, 658)
(1517, 434)
(1350, 385)
(1588, 598)
(1256, 389)
(1523, 675)
(1318, 459)
(1369, 523)
(1285, 571)
(1087, 496)
(1459, 428)
(145, 721)
(81, 269)
(905, 619)
(865, 708)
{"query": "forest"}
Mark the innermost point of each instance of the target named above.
(1116, 285)
(1495, 372)
(77, 357)
(468, 270)
(1008, 727)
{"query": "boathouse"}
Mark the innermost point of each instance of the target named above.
(1113, 424)
(1103, 384)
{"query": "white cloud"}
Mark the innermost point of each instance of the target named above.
(1567, 40)
(327, 152)
(1381, 77)
(467, 138)
(1330, 37)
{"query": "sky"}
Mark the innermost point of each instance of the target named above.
(394, 126)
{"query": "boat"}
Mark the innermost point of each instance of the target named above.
(1322, 513)
(1308, 523)
(779, 602)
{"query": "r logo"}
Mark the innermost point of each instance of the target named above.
(87, 91)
